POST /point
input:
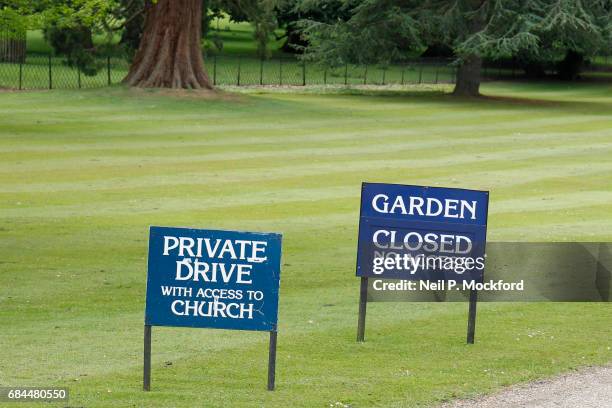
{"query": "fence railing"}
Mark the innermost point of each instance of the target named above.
(49, 72)
(236, 70)
(52, 72)
(37, 71)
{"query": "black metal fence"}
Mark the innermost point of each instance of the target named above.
(237, 70)
(37, 71)
(51, 72)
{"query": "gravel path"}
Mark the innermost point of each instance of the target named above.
(587, 388)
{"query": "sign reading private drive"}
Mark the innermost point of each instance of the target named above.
(421, 233)
(214, 279)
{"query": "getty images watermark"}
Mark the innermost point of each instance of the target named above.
(514, 271)
(432, 265)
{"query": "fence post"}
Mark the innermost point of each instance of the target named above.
(50, 74)
(365, 75)
(384, 74)
(420, 73)
(261, 62)
(304, 73)
(215, 69)
(239, 67)
(108, 70)
(79, 76)
(403, 70)
(346, 74)
(20, 75)
(280, 71)
(325, 76)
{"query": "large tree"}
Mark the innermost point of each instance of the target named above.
(569, 33)
(387, 30)
(170, 52)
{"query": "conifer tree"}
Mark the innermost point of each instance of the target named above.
(386, 30)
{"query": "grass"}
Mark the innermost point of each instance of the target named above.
(238, 39)
(84, 173)
(37, 44)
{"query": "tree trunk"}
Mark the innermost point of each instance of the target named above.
(468, 77)
(169, 55)
(569, 68)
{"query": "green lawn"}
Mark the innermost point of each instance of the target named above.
(84, 173)
(37, 44)
(238, 38)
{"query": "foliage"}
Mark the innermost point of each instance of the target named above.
(376, 31)
(76, 44)
(569, 32)
(289, 13)
(383, 30)
(131, 13)
(68, 25)
(212, 12)
(260, 13)
(11, 21)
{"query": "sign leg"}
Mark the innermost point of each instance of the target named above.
(146, 379)
(472, 317)
(363, 302)
(272, 361)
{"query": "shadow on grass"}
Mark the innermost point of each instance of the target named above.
(493, 98)
(501, 95)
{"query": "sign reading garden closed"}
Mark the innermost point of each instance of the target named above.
(426, 234)
(421, 233)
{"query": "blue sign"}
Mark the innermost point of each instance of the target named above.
(421, 233)
(214, 279)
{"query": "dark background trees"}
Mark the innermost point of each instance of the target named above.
(12, 34)
(534, 34)
(537, 31)
(290, 14)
